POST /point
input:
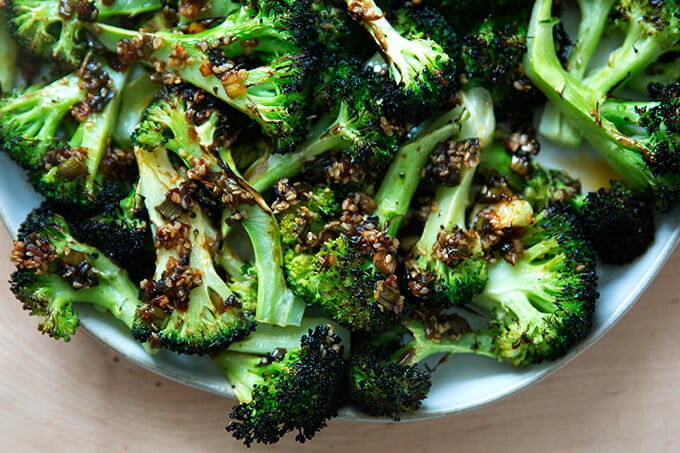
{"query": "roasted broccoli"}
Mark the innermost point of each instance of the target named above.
(418, 47)
(285, 389)
(274, 91)
(60, 133)
(54, 271)
(539, 306)
(638, 139)
(355, 123)
(189, 123)
(56, 28)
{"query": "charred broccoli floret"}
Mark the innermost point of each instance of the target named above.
(54, 271)
(539, 306)
(275, 92)
(355, 123)
(380, 387)
(285, 389)
(418, 47)
(190, 124)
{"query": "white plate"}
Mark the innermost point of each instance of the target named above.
(462, 383)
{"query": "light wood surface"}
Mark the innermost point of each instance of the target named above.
(622, 394)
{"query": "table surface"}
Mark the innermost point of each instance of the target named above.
(621, 394)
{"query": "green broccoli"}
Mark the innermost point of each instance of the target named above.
(418, 47)
(188, 306)
(539, 306)
(55, 28)
(190, 124)
(65, 161)
(639, 140)
(275, 94)
(54, 271)
(287, 388)
(355, 124)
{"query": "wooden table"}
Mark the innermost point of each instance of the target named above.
(622, 394)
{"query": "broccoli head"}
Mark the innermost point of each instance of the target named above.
(54, 271)
(288, 389)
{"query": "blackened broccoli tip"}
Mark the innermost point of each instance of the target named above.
(54, 270)
(384, 388)
(288, 390)
(491, 56)
(120, 229)
(619, 222)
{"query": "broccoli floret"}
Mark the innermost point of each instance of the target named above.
(302, 212)
(275, 94)
(342, 279)
(189, 123)
(618, 222)
(120, 229)
(188, 306)
(380, 387)
(350, 273)
(639, 140)
(539, 306)
(355, 123)
(284, 390)
(447, 265)
(418, 47)
(68, 170)
(8, 55)
(54, 270)
(491, 56)
(55, 28)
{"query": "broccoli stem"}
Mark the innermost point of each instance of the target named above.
(420, 347)
(403, 175)
(452, 203)
(593, 19)
(136, 96)
(93, 133)
(276, 303)
(576, 99)
(8, 54)
(405, 58)
(632, 57)
(268, 169)
(473, 118)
